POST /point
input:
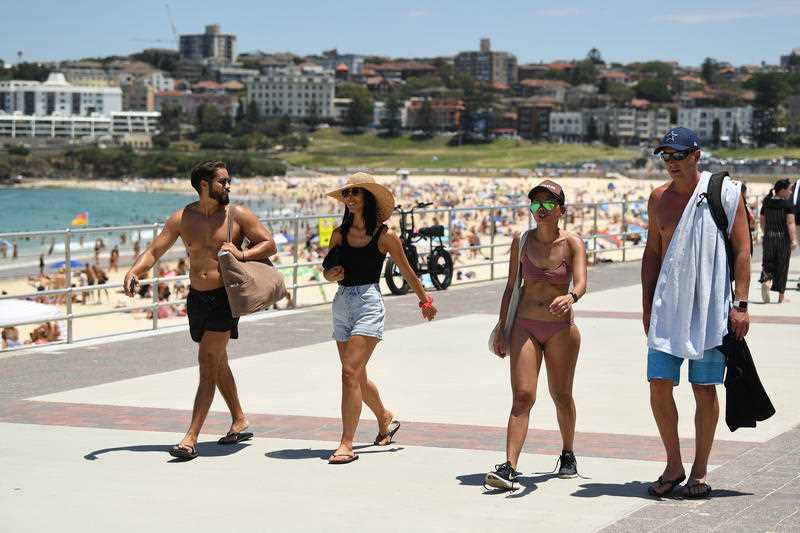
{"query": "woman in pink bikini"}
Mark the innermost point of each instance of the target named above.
(541, 326)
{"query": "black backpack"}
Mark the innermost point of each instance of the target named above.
(714, 197)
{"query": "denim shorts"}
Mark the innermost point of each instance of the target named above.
(710, 370)
(358, 310)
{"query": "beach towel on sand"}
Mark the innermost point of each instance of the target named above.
(693, 293)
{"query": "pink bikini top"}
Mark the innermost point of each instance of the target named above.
(560, 275)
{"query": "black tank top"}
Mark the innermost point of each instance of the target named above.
(362, 265)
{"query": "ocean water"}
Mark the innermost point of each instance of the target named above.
(54, 209)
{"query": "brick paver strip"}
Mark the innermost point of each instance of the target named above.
(757, 491)
(607, 445)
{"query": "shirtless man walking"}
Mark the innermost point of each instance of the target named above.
(202, 226)
(680, 150)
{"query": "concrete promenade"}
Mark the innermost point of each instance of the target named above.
(85, 429)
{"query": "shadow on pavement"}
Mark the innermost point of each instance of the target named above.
(527, 484)
(207, 449)
(638, 489)
(309, 453)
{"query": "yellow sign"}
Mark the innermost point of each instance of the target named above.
(326, 227)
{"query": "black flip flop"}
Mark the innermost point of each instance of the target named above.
(672, 484)
(235, 437)
(394, 427)
(350, 459)
(690, 493)
(183, 453)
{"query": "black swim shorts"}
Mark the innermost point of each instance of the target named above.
(210, 311)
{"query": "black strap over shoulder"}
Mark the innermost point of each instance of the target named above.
(714, 197)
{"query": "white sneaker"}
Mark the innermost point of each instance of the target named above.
(765, 287)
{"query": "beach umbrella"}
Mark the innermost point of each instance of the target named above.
(61, 264)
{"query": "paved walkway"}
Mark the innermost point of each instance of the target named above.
(84, 430)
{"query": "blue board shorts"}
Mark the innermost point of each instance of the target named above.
(358, 310)
(710, 370)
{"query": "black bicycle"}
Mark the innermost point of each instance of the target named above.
(439, 263)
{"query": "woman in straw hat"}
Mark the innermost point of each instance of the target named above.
(358, 248)
(547, 259)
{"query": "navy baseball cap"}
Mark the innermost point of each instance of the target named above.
(680, 139)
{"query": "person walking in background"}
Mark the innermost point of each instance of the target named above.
(113, 260)
(780, 238)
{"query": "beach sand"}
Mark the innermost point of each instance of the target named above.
(307, 194)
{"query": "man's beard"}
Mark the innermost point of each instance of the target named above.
(222, 197)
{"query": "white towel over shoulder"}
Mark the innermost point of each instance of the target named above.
(693, 293)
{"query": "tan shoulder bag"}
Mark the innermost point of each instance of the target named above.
(251, 285)
(513, 302)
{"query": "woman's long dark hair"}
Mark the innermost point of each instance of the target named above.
(780, 185)
(370, 215)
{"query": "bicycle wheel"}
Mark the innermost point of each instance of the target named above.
(394, 279)
(440, 268)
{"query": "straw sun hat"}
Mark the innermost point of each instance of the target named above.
(383, 196)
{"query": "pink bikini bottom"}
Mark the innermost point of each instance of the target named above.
(541, 330)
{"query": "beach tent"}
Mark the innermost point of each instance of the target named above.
(15, 310)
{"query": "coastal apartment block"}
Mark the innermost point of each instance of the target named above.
(297, 92)
(212, 46)
(123, 123)
(58, 96)
(486, 65)
(629, 125)
(701, 120)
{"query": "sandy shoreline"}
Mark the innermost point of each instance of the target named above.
(304, 195)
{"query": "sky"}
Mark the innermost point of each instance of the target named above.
(738, 31)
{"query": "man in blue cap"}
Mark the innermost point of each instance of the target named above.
(688, 302)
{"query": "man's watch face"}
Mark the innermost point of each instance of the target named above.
(742, 306)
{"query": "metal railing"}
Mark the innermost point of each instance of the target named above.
(297, 223)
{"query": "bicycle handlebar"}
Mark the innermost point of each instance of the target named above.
(419, 205)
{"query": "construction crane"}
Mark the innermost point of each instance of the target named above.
(172, 25)
(174, 31)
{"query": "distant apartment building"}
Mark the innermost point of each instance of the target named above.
(294, 91)
(630, 125)
(446, 113)
(189, 102)
(56, 96)
(225, 74)
(212, 46)
(531, 71)
(340, 107)
(486, 65)
(791, 61)
(88, 73)
(533, 117)
(157, 79)
(701, 120)
(555, 89)
(400, 70)
(138, 96)
(567, 126)
(332, 59)
(123, 123)
(379, 114)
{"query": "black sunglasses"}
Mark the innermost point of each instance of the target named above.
(352, 191)
(676, 156)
